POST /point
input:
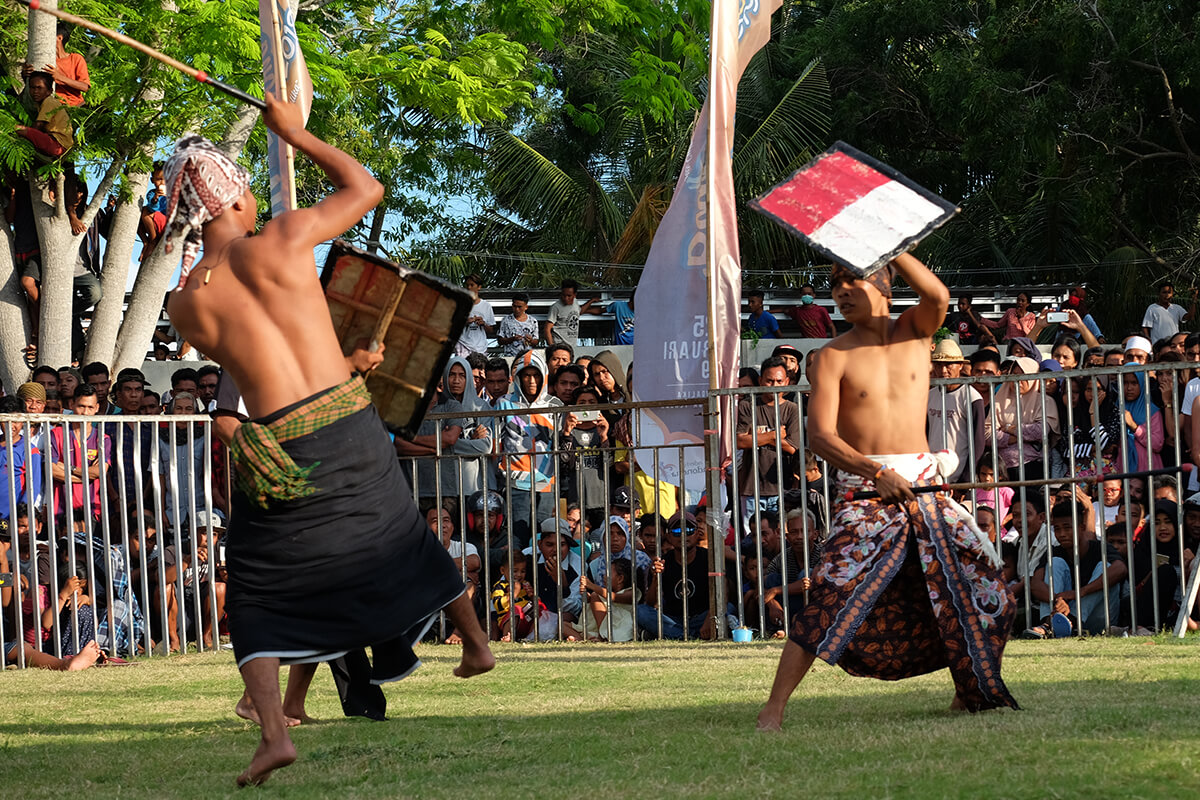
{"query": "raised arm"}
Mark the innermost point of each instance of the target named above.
(355, 191)
(934, 298)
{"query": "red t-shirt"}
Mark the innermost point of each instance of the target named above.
(75, 68)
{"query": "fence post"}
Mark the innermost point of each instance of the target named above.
(716, 541)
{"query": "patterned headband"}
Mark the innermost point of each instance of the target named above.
(881, 278)
(202, 182)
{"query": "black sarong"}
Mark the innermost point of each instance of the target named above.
(350, 564)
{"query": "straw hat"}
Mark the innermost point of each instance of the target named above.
(947, 351)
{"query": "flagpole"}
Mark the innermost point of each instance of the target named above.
(289, 155)
(712, 460)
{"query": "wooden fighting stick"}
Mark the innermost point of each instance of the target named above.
(199, 74)
(952, 487)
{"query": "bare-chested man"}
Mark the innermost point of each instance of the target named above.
(906, 585)
(326, 552)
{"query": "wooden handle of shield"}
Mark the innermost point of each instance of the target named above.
(950, 487)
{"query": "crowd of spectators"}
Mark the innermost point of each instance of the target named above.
(115, 517)
(528, 471)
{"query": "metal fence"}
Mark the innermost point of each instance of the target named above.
(154, 581)
(95, 498)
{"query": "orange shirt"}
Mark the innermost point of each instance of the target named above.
(75, 68)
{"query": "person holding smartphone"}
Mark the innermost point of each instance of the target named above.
(583, 443)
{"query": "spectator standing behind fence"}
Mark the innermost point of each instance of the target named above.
(955, 411)
(811, 317)
(653, 496)
(1143, 427)
(25, 473)
(607, 376)
(132, 440)
(1018, 439)
(759, 321)
(562, 321)
(527, 443)
(467, 465)
(1162, 319)
(518, 331)
(759, 428)
(185, 491)
(481, 321)
(436, 475)
(85, 448)
(583, 458)
(1094, 437)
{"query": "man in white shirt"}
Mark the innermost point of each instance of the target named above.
(481, 323)
(955, 413)
(1162, 319)
(562, 321)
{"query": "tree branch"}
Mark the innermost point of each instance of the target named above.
(1172, 113)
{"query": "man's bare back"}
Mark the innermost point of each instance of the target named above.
(254, 302)
(262, 316)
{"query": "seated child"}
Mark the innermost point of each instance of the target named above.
(621, 596)
(519, 604)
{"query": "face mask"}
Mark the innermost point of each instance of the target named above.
(807, 299)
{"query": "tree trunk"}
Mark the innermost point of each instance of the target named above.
(145, 305)
(106, 320)
(42, 50)
(14, 321)
(239, 130)
(59, 248)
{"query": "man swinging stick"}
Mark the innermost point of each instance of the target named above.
(907, 583)
(326, 551)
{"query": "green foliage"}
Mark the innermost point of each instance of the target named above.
(589, 177)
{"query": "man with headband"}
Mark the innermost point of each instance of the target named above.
(907, 583)
(325, 550)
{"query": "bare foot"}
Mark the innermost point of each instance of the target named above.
(246, 710)
(476, 659)
(957, 704)
(506, 637)
(770, 720)
(454, 638)
(85, 658)
(292, 720)
(267, 759)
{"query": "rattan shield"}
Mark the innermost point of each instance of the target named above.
(417, 316)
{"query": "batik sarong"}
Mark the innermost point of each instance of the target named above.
(908, 590)
(339, 560)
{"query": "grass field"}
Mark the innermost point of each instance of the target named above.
(1101, 719)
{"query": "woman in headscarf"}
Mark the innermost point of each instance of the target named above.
(1096, 432)
(476, 439)
(1143, 426)
(1018, 438)
(1023, 347)
(1162, 564)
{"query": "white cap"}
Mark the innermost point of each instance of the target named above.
(1138, 343)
